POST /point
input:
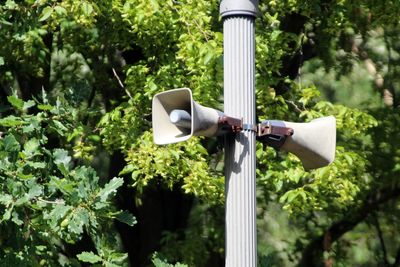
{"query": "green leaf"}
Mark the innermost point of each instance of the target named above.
(127, 169)
(26, 176)
(58, 127)
(28, 129)
(37, 165)
(2, 21)
(7, 214)
(11, 121)
(31, 147)
(87, 8)
(10, 4)
(78, 220)
(6, 199)
(15, 102)
(62, 160)
(59, 211)
(292, 195)
(1, 61)
(35, 191)
(127, 218)
(46, 13)
(16, 219)
(11, 144)
(208, 57)
(66, 186)
(152, 86)
(155, 5)
(94, 138)
(89, 257)
(117, 257)
(110, 188)
(61, 157)
(161, 263)
(278, 184)
(45, 107)
(22, 200)
(60, 10)
(288, 196)
(348, 159)
(28, 104)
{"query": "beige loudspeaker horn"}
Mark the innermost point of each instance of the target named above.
(314, 143)
(176, 117)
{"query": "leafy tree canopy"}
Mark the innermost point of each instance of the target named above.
(83, 183)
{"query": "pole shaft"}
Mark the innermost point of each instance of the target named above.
(240, 160)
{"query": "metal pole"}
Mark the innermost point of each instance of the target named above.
(240, 160)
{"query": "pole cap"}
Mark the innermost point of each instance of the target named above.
(239, 7)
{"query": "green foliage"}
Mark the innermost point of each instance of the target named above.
(46, 197)
(186, 165)
(76, 83)
(203, 237)
(188, 53)
(160, 263)
(106, 258)
(332, 188)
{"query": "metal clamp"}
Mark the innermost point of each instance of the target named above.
(266, 128)
(231, 124)
(271, 135)
(235, 125)
(250, 127)
(274, 136)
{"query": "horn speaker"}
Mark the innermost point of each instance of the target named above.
(176, 117)
(314, 143)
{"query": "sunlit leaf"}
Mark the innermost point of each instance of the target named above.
(46, 13)
(89, 257)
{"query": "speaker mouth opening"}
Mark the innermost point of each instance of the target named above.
(165, 130)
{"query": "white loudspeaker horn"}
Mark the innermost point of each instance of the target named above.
(176, 117)
(314, 143)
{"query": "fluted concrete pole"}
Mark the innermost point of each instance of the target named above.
(240, 160)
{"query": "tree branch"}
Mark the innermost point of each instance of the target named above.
(120, 83)
(381, 240)
(397, 260)
(296, 107)
(312, 254)
(390, 71)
